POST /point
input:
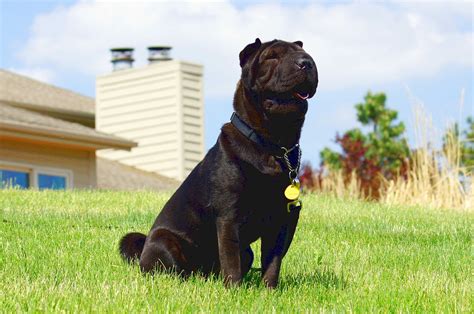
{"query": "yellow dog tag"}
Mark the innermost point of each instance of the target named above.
(292, 191)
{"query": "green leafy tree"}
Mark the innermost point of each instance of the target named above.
(467, 157)
(466, 142)
(380, 153)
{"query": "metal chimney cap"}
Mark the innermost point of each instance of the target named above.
(121, 49)
(160, 48)
(122, 58)
(158, 54)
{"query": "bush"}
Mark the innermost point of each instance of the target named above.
(379, 155)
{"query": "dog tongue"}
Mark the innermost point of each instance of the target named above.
(303, 97)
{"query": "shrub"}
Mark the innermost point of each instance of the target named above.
(381, 154)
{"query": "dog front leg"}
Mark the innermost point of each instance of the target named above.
(229, 251)
(273, 250)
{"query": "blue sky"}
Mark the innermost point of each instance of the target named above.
(413, 51)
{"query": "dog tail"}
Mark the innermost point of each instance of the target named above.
(131, 246)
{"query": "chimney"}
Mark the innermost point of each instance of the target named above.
(158, 54)
(159, 106)
(122, 58)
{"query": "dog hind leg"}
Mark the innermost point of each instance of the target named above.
(165, 251)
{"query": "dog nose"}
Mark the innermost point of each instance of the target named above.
(304, 63)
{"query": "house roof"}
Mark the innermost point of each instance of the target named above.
(25, 92)
(18, 122)
(113, 175)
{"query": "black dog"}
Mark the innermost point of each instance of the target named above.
(236, 194)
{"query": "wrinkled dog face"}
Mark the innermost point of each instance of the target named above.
(282, 73)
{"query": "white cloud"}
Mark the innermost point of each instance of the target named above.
(359, 44)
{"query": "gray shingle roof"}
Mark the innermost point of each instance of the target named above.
(13, 116)
(21, 90)
(112, 175)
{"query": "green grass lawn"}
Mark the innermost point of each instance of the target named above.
(58, 252)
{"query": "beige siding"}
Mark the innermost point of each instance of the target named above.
(193, 122)
(160, 107)
(80, 162)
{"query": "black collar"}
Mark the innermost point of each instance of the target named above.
(251, 134)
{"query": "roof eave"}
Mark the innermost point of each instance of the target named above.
(44, 134)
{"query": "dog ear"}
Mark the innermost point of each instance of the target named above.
(248, 51)
(299, 43)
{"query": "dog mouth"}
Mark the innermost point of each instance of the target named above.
(302, 91)
(302, 96)
(299, 93)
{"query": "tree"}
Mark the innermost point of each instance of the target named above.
(307, 176)
(467, 150)
(380, 153)
(466, 143)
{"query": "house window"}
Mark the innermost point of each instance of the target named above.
(51, 182)
(14, 179)
(24, 176)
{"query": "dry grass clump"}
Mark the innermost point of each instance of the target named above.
(335, 183)
(435, 177)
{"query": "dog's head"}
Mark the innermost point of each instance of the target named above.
(281, 74)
